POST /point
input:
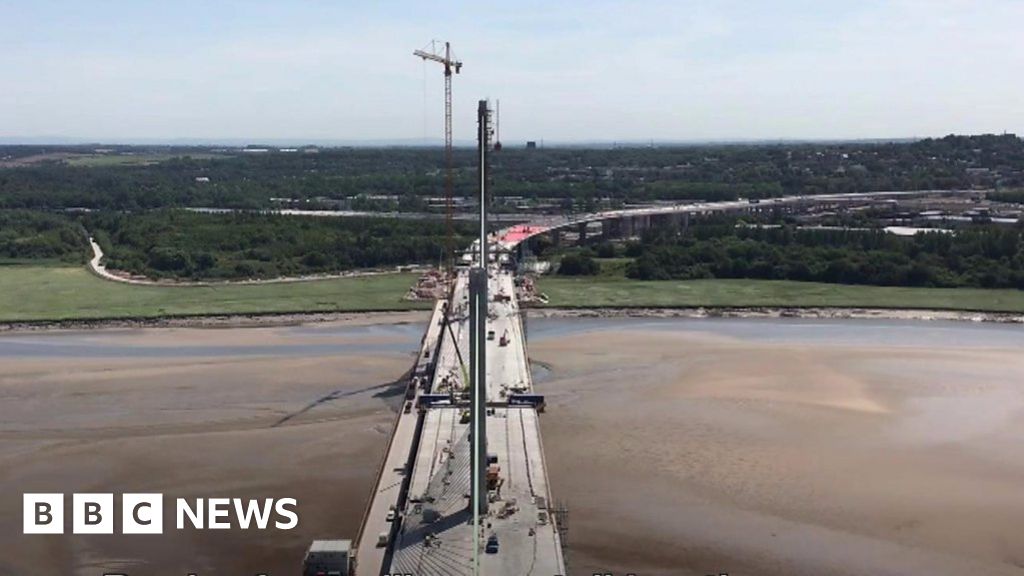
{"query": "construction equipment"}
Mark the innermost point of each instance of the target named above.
(328, 558)
(450, 63)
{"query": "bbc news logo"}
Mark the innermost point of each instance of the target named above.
(144, 513)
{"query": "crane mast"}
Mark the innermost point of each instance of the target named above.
(447, 59)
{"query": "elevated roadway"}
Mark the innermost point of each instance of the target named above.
(514, 235)
(432, 533)
(393, 475)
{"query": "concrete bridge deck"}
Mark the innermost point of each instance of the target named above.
(435, 535)
(628, 221)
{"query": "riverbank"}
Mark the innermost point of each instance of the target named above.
(270, 320)
(616, 292)
(37, 296)
(404, 316)
(773, 312)
(31, 294)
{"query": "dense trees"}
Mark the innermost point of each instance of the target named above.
(1011, 196)
(989, 257)
(576, 178)
(578, 265)
(135, 194)
(36, 235)
(176, 243)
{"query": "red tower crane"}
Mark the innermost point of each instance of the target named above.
(450, 63)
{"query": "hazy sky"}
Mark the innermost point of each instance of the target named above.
(564, 71)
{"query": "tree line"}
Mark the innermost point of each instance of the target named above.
(576, 176)
(182, 244)
(982, 256)
(26, 234)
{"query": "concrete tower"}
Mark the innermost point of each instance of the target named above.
(478, 331)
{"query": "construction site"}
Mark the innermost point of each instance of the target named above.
(463, 487)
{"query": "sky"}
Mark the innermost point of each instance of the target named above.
(565, 71)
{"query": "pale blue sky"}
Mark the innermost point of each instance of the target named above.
(564, 71)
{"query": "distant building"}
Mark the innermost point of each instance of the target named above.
(202, 178)
(530, 145)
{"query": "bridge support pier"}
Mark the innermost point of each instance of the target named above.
(556, 237)
(611, 228)
(637, 224)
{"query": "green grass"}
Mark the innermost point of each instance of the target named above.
(94, 160)
(60, 292)
(69, 293)
(621, 292)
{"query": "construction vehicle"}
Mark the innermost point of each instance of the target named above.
(492, 544)
(328, 558)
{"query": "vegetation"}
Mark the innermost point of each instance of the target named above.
(620, 292)
(979, 257)
(58, 292)
(552, 179)
(38, 235)
(1011, 196)
(578, 265)
(35, 292)
(182, 244)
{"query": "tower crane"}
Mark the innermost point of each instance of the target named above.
(445, 57)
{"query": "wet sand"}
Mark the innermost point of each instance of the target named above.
(689, 452)
(679, 451)
(312, 426)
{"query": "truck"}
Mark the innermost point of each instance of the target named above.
(328, 558)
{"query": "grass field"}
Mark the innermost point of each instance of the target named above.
(60, 292)
(63, 293)
(620, 292)
(92, 160)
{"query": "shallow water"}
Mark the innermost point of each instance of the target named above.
(915, 333)
(308, 340)
(292, 341)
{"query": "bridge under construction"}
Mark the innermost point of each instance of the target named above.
(464, 488)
